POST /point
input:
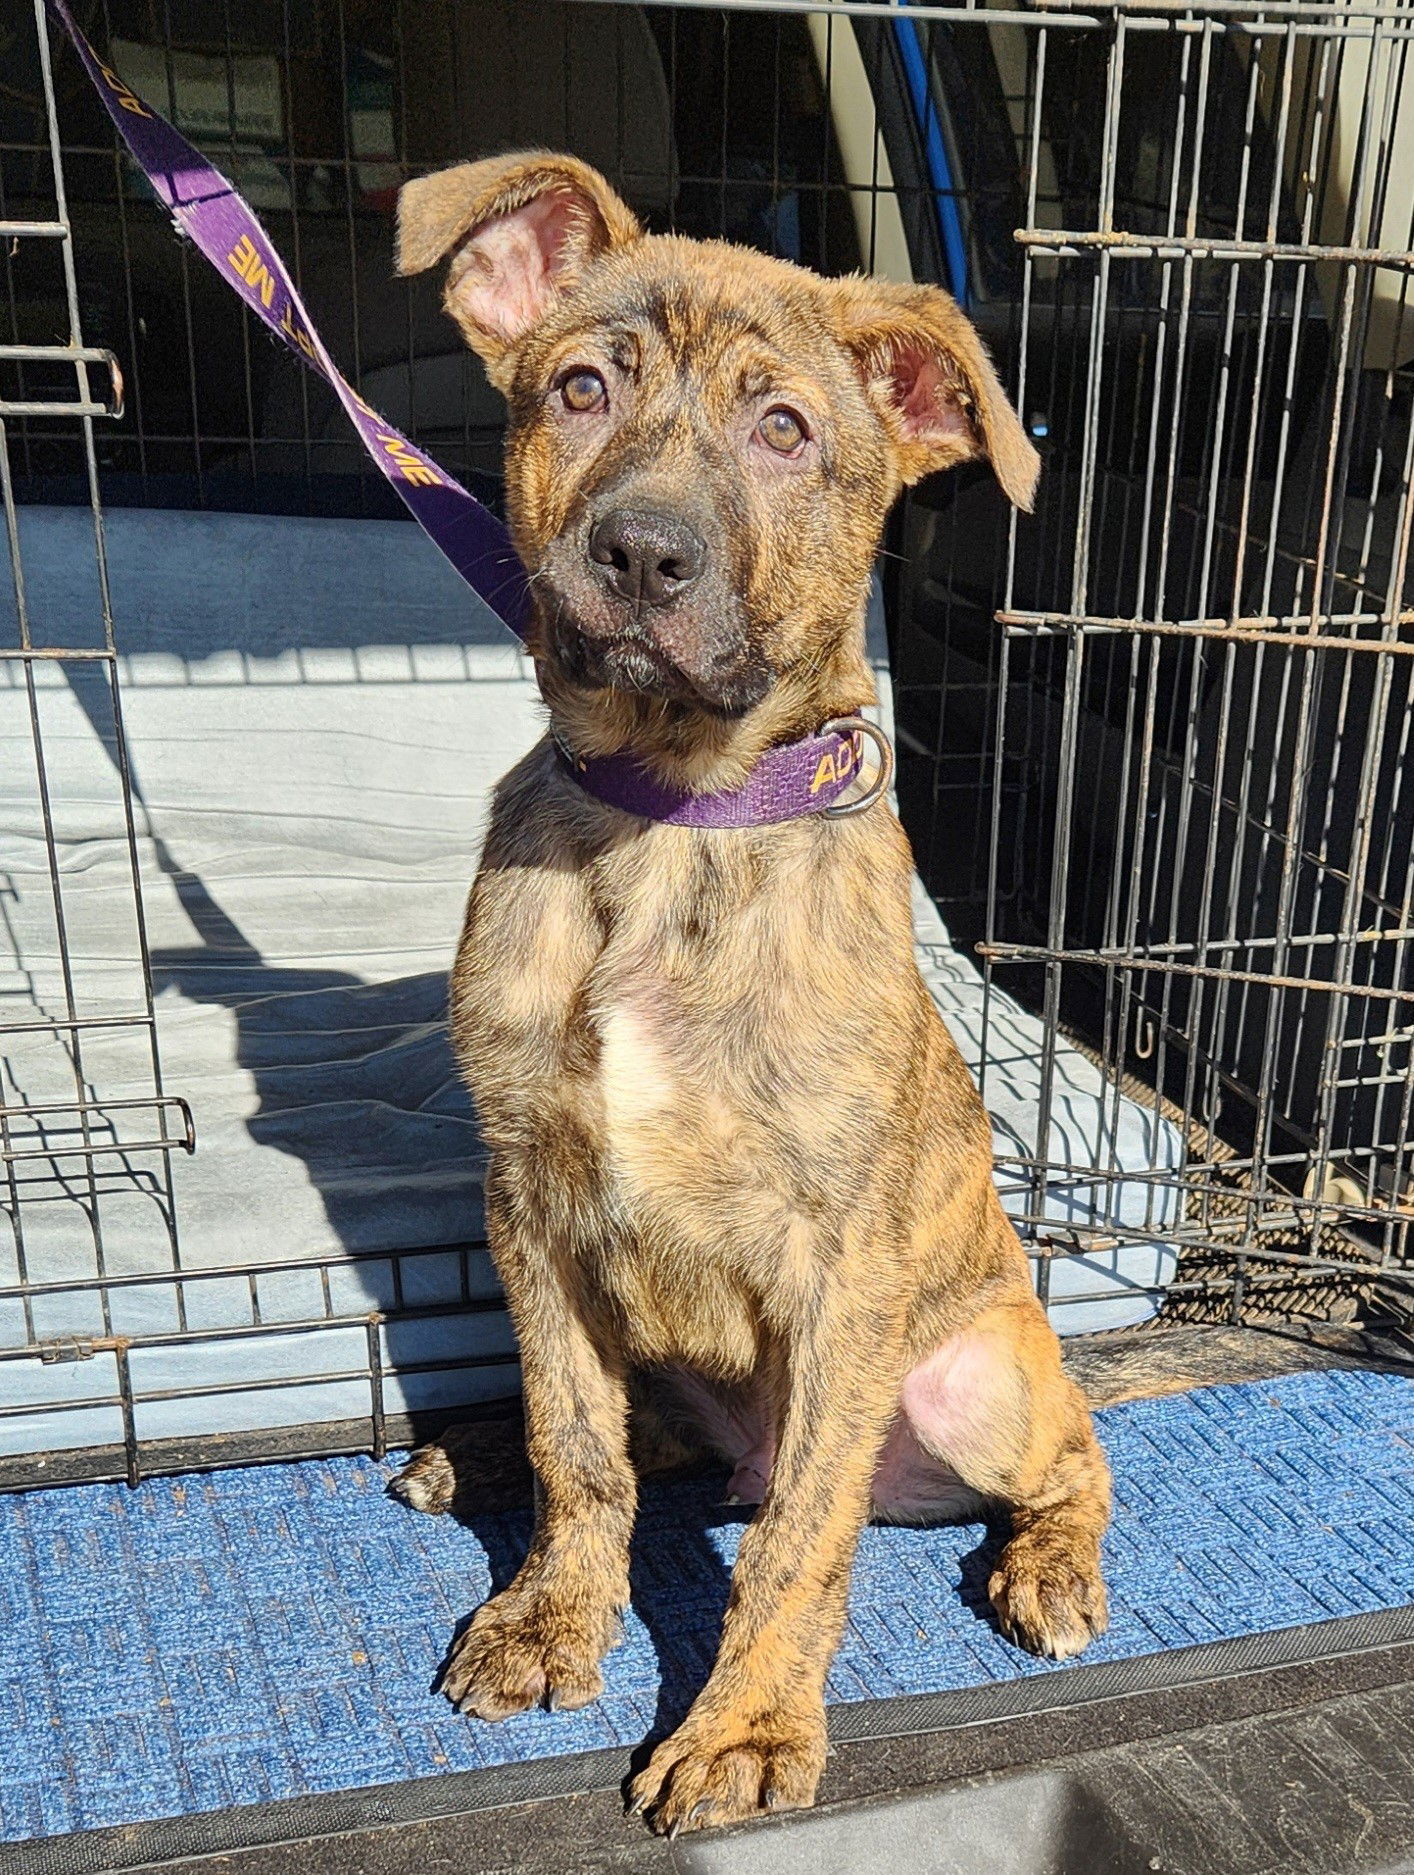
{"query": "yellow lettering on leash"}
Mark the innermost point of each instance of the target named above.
(244, 259)
(413, 468)
(129, 100)
(292, 329)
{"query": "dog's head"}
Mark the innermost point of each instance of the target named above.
(703, 442)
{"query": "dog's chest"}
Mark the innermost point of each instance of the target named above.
(680, 1048)
(663, 1087)
(663, 1007)
(640, 1067)
(671, 1008)
(693, 1187)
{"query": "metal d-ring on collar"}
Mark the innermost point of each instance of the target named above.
(848, 726)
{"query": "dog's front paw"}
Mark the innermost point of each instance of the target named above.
(724, 1767)
(521, 1650)
(1048, 1592)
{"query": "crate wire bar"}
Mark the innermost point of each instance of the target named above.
(74, 1136)
(1152, 739)
(1174, 971)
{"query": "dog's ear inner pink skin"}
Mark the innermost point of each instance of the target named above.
(934, 384)
(516, 231)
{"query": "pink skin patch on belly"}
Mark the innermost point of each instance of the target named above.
(911, 1486)
(737, 1426)
(947, 1411)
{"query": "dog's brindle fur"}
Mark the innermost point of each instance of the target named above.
(740, 1189)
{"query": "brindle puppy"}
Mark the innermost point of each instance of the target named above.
(734, 1151)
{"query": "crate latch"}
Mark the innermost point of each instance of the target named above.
(65, 1348)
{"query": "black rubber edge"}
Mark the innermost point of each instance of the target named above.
(298, 1819)
(1118, 1679)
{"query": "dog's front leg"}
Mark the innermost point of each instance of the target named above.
(755, 1736)
(542, 1639)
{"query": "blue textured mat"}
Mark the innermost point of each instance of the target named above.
(231, 1637)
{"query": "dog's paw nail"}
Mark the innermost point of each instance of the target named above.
(703, 1807)
(771, 1797)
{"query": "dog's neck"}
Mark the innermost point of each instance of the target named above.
(698, 749)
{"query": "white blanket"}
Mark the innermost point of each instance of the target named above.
(315, 713)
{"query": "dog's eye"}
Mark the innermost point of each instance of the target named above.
(782, 430)
(584, 391)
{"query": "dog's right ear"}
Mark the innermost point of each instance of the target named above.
(516, 230)
(934, 384)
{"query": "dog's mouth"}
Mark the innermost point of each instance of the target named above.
(641, 665)
(632, 663)
(694, 655)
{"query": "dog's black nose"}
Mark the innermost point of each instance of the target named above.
(646, 557)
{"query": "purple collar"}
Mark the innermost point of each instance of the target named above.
(798, 778)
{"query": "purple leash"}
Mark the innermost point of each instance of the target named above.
(208, 209)
(806, 777)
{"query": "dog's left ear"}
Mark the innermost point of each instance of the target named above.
(516, 230)
(935, 386)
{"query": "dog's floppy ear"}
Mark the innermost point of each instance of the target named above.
(929, 372)
(516, 231)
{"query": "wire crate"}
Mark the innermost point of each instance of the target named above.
(1152, 739)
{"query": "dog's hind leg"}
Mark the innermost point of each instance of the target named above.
(993, 1407)
(481, 1464)
(477, 1464)
(681, 1417)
